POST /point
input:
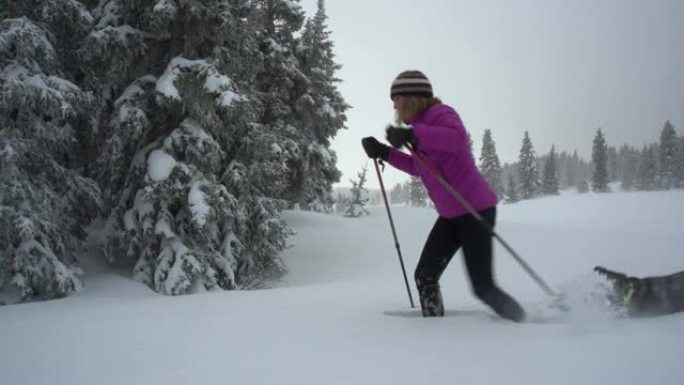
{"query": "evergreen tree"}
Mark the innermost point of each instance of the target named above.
(279, 85)
(613, 164)
(629, 159)
(189, 117)
(281, 79)
(45, 201)
(668, 156)
(359, 195)
(550, 178)
(679, 164)
(512, 190)
(562, 170)
(320, 110)
(583, 186)
(507, 169)
(196, 207)
(528, 176)
(599, 159)
(341, 203)
(573, 170)
(646, 173)
(417, 193)
(375, 198)
(398, 194)
(407, 192)
(490, 165)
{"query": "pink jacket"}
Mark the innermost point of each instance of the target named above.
(443, 142)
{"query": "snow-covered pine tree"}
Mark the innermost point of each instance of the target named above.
(679, 164)
(490, 165)
(407, 191)
(572, 171)
(341, 203)
(584, 170)
(646, 172)
(613, 164)
(394, 193)
(528, 176)
(398, 194)
(668, 156)
(45, 203)
(320, 110)
(583, 186)
(191, 174)
(508, 169)
(359, 195)
(512, 190)
(629, 159)
(280, 83)
(599, 159)
(375, 198)
(417, 193)
(563, 168)
(550, 178)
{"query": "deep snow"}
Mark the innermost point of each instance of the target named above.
(341, 315)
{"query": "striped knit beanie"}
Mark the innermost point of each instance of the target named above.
(412, 83)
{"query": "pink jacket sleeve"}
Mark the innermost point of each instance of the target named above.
(402, 161)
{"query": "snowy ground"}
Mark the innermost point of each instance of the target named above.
(341, 316)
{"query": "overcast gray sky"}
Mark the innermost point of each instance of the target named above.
(559, 69)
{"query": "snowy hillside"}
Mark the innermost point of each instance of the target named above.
(341, 315)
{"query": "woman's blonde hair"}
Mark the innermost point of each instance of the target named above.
(414, 106)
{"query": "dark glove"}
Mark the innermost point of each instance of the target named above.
(399, 136)
(375, 149)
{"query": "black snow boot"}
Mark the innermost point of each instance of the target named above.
(503, 304)
(430, 297)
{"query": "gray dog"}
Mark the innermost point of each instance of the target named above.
(645, 297)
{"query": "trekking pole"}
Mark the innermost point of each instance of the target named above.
(394, 233)
(479, 218)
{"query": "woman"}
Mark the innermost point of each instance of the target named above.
(436, 132)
